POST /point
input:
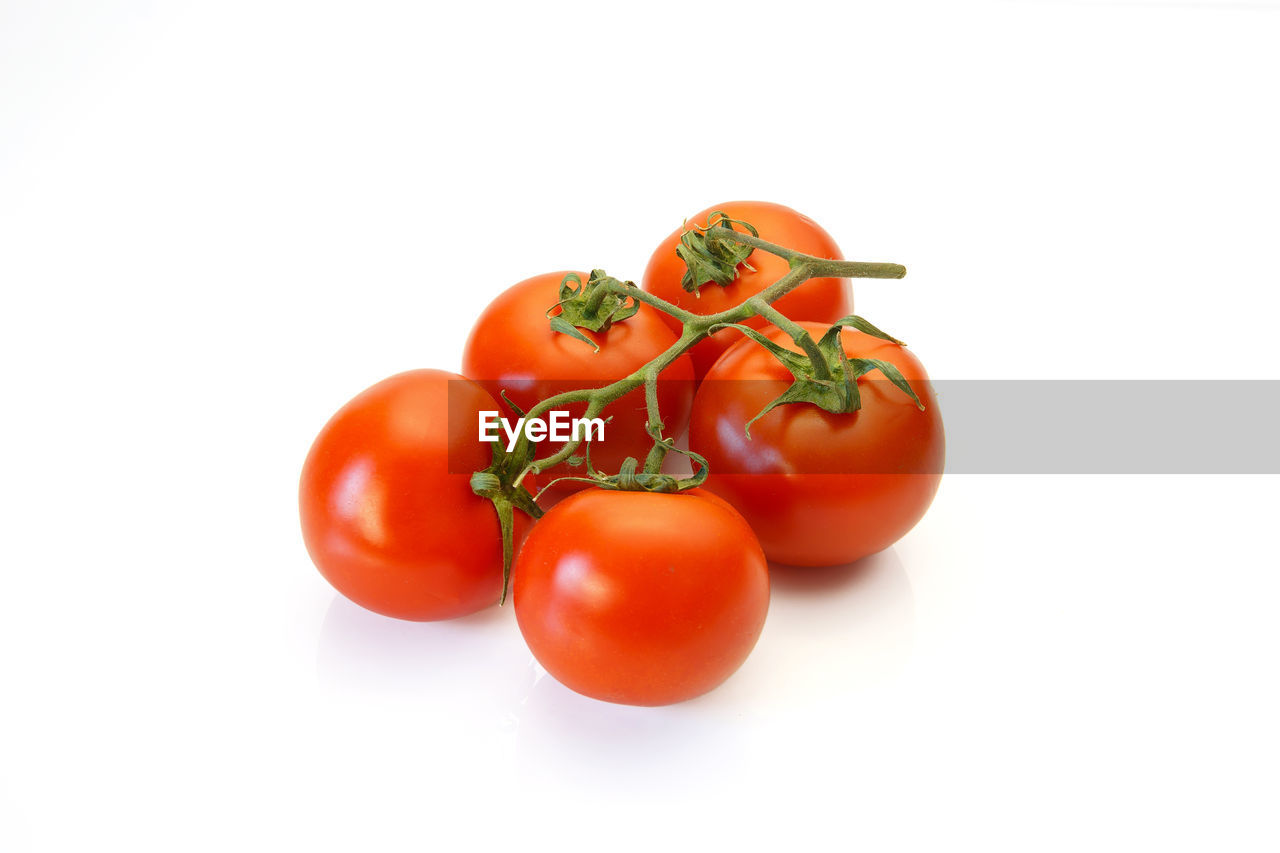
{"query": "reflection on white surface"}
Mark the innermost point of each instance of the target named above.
(832, 629)
(364, 652)
(841, 627)
(838, 629)
(14, 832)
(831, 632)
(981, 676)
(573, 736)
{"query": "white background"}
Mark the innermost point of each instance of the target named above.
(219, 221)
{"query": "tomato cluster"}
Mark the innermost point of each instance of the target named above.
(626, 594)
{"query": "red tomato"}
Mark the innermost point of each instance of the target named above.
(820, 488)
(822, 299)
(388, 514)
(512, 348)
(641, 598)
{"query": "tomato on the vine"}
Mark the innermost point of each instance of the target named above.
(820, 488)
(388, 515)
(641, 598)
(821, 299)
(512, 348)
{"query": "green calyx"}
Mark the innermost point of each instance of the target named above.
(594, 306)
(709, 257)
(628, 479)
(632, 478)
(839, 393)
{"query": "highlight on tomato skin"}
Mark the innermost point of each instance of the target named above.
(641, 598)
(820, 299)
(820, 489)
(384, 518)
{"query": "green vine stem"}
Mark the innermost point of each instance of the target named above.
(696, 328)
(797, 333)
(511, 471)
(653, 462)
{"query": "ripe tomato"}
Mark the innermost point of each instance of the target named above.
(821, 299)
(512, 348)
(820, 488)
(641, 598)
(387, 510)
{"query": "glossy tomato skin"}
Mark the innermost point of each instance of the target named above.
(821, 299)
(388, 515)
(820, 489)
(641, 598)
(512, 348)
